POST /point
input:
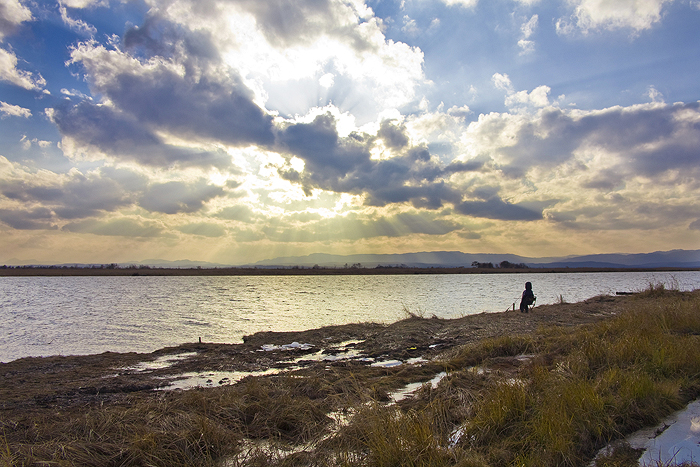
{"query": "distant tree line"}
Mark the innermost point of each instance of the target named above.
(502, 265)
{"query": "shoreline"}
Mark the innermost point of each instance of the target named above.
(57, 271)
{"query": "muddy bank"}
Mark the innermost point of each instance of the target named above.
(68, 381)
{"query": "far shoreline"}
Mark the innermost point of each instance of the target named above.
(106, 271)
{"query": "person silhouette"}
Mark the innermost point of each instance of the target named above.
(527, 299)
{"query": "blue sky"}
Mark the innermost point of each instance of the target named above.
(232, 131)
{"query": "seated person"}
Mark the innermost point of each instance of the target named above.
(527, 299)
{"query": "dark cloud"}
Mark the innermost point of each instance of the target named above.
(79, 196)
(344, 165)
(182, 89)
(116, 227)
(496, 208)
(160, 38)
(123, 136)
(34, 219)
(695, 225)
(650, 140)
(325, 153)
(179, 197)
(200, 107)
(287, 23)
(394, 136)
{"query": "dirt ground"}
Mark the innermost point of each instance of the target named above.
(68, 381)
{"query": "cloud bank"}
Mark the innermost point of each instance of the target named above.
(244, 129)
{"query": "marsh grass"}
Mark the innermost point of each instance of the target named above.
(580, 391)
(553, 398)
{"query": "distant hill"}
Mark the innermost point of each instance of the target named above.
(437, 259)
(673, 258)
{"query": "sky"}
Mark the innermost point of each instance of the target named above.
(232, 131)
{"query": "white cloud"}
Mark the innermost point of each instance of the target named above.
(654, 94)
(637, 15)
(410, 26)
(21, 78)
(326, 80)
(12, 14)
(528, 29)
(84, 3)
(280, 49)
(538, 97)
(502, 81)
(462, 3)
(77, 25)
(9, 110)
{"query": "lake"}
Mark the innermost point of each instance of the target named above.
(42, 316)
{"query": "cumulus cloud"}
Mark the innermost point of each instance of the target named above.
(293, 44)
(239, 213)
(195, 101)
(636, 15)
(10, 73)
(92, 130)
(496, 208)
(649, 140)
(84, 3)
(71, 196)
(12, 14)
(345, 165)
(9, 110)
(32, 219)
(538, 97)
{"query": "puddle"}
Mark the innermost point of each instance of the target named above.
(678, 441)
(292, 346)
(212, 379)
(159, 363)
(409, 389)
(387, 364)
(675, 441)
(322, 356)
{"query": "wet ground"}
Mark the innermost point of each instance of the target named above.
(67, 381)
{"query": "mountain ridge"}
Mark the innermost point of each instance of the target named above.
(671, 258)
(445, 259)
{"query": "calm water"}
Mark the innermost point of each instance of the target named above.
(42, 316)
